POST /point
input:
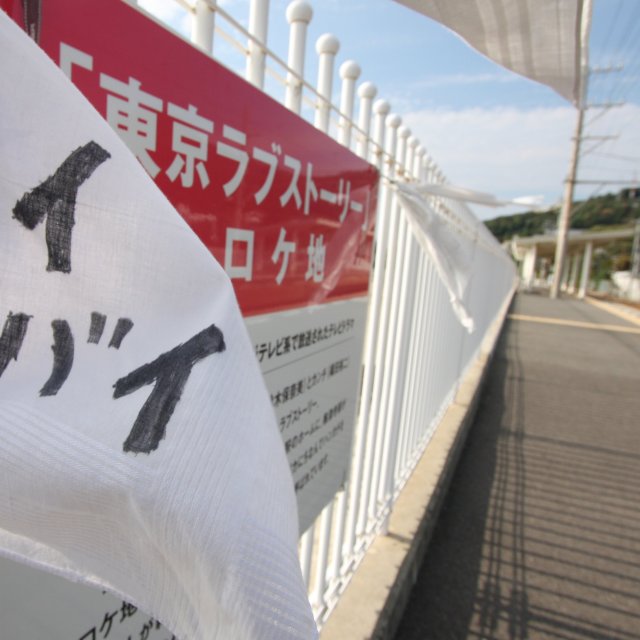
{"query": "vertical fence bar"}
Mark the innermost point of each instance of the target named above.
(396, 269)
(404, 309)
(381, 108)
(408, 390)
(299, 14)
(383, 354)
(419, 417)
(421, 426)
(366, 92)
(256, 57)
(427, 409)
(204, 25)
(349, 72)
(364, 435)
(306, 554)
(327, 46)
(383, 262)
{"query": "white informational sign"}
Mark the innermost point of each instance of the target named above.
(310, 359)
(37, 605)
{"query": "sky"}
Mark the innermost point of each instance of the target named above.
(487, 128)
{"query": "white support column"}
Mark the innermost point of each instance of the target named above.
(573, 274)
(586, 270)
(204, 25)
(349, 72)
(565, 276)
(366, 92)
(529, 267)
(327, 47)
(299, 14)
(258, 25)
(381, 108)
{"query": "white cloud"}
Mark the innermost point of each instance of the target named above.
(170, 13)
(507, 152)
(511, 152)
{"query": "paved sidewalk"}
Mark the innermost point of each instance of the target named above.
(539, 536)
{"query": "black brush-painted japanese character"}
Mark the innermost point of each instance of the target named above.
(169, 374)
(123, 326)
(55, 199)
(13, 332)
(63, 349)
(98, 323)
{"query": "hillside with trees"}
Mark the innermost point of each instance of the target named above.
(597, 212)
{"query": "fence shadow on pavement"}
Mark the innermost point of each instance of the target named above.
(538, 536)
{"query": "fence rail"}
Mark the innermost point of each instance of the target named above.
(416, 352)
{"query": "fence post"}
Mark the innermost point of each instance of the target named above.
(258, 25)
(299, 14)
(401, 151)
(363, 434)
(326, 47)
(404, 313)
(385, 263)
(381, 108)
(366, 92)
(204, 25)
(417, 164)
(349, 72)
(396, 298)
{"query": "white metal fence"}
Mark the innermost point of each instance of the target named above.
(416, 351)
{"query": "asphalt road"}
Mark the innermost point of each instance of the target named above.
(540, 532)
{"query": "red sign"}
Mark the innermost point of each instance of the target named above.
(285, 209)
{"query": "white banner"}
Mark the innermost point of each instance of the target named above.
(543, 40)
(139, 452)
(451, 252)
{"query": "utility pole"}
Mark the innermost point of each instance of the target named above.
(565, 213)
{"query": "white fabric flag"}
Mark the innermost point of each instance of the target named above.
(139, 451)
(539, 39)
(452, 252)
(478, 197)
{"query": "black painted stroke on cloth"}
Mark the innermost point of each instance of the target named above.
(98, 322)
(169, 374)
(123, 326)
(62, 357)
(55, 199)
(13, 333)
